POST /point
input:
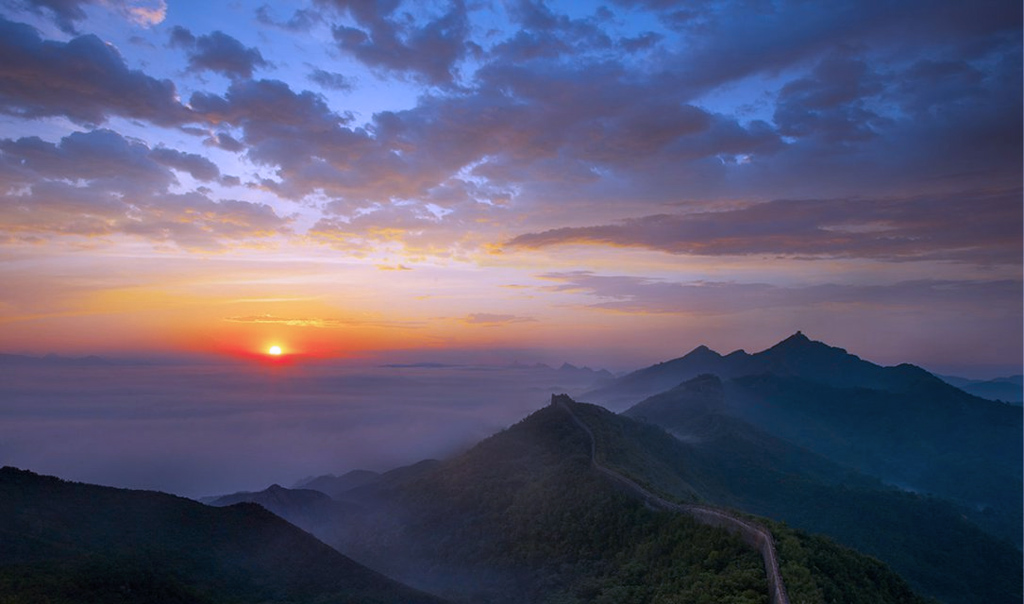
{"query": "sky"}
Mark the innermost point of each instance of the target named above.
(605, 183)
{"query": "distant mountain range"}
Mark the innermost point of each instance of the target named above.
(1009, 389)
(797, 356)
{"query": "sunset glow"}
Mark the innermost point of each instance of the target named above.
(274, 351)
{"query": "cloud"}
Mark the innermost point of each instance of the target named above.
(562, 117)
(732, 40)
(311, 147)
(66, 13)
(99, 183)
(636, 295)
(330, 80)
(973, 226)
(198, 166)
(831, 102)
(85, 80)
(317, 322)
(225, 141)
(218, 52)
(146, 13)
(494, 320)
(291, 322)
(302, 20)
(390, 42)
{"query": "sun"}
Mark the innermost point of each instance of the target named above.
(274, 351)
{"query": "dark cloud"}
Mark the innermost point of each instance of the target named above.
(330, 80)
(198, 166)
(302, 20)
(974, 226)
(730, 40)
(831, 103)
(392, 42)
(181, 37)
(65, 13)
(218, 52)
(225, 141)
(84, 79)
(644, 41)
(545, 34)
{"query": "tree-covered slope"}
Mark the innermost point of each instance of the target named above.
(729, 461)
(71, 542)
(524, 517)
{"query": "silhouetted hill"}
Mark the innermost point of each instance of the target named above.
(524, 517)
(71, 542)
(734, 463)
(335, 486)
(796, 356)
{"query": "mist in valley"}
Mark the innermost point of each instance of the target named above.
(204, 429)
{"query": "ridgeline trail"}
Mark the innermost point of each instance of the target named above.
(751, 533)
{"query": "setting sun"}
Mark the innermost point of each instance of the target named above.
(274, 351)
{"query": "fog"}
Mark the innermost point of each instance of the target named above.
(198, 430)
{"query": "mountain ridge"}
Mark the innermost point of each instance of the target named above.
(796, 355)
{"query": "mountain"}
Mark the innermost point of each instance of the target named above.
(927, 540)
(899, 424)
(1009, 389)
(526, 516)
(932, 438)
(796, 356)
(71, 542)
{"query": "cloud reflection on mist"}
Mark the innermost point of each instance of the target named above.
(198, 430)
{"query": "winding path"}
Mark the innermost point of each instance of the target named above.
(751, 533)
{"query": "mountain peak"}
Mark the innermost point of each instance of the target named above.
(799, 343)
(797, 339)
(701, 353)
